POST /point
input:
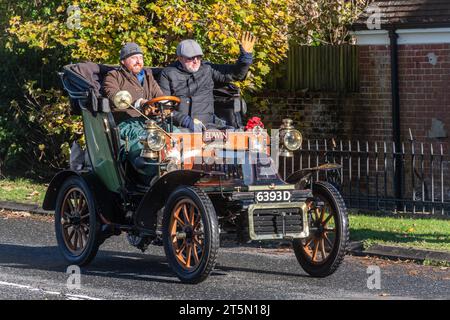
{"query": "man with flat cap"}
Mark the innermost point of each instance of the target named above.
(193, 81)
(132, 77)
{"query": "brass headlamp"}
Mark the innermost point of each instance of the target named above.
(290, 138)
(154, 142)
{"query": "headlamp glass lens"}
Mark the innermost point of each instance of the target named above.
(156, 140)
(292, 140)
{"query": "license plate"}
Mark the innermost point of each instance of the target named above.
(273, 196)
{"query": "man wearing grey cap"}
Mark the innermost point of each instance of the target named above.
(193, 81)
(132, 77)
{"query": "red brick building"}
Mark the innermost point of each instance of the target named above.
(404, 70)
(404, 80)
(402, 64)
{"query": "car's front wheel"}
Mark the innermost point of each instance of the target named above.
(323, 251)
(76, 225)
(190, 234)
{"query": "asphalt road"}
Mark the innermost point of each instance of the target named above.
(32, 268)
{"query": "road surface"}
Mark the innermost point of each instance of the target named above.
(31, 267)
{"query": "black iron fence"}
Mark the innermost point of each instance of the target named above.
(367, 176)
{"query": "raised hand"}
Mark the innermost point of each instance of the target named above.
(248, 41)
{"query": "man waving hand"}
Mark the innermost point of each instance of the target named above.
(193, 80)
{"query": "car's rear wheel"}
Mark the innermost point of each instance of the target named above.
(190, 234)
(323, 251)
(76, 224)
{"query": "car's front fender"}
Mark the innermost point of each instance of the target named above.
(304, 174)
(159, 192)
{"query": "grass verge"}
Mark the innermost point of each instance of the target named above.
(22, 190)
(419, 233)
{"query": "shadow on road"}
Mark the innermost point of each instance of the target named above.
(258, 271)
(116, 264)
(111, 264)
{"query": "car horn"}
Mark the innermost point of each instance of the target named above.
(122, 100)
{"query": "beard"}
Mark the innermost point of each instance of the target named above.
(136, 68)
(191, 69)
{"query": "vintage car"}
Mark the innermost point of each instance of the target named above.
(207, 185)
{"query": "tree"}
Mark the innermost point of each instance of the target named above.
(319, 22)
(53, 32)
(96, 29)
(21, 133)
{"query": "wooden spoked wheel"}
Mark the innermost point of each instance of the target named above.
(187, 234)
(321, 241)
(75, 221)
(190, 234)
(76, 226)
(323, 250)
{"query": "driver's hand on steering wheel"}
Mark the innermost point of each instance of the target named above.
(155, 111)
(151, 111)
(148, 110)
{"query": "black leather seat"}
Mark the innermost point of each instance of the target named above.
(229, 105)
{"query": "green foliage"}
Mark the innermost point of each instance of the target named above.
(39, 37)
(46, 115)
(324, 22)
(17, 114)
(436, 263)
(21, 128)
(158, 26)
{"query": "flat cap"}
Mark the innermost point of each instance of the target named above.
(189, 48)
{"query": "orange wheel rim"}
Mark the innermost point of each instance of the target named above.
(319, 245)
(75, 221)
(187, 234)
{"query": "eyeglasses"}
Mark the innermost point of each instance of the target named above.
(193, 58)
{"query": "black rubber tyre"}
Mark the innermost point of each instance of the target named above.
(190, 233)
(329, 234)
(76, 226)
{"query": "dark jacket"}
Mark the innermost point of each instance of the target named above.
(196, 89)
(122, 79)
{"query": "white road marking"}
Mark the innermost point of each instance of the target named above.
(135, 275)
(32, 289)
(14, 285)
(80, 297)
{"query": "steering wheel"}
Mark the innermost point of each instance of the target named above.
(165, 104)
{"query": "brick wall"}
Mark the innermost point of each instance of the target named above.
(319, 115)
(372, 118)
(424, 89)
(424, 82)
(367, 115)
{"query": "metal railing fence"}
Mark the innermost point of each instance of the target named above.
(366, 178)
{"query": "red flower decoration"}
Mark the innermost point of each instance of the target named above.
(253, 122)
